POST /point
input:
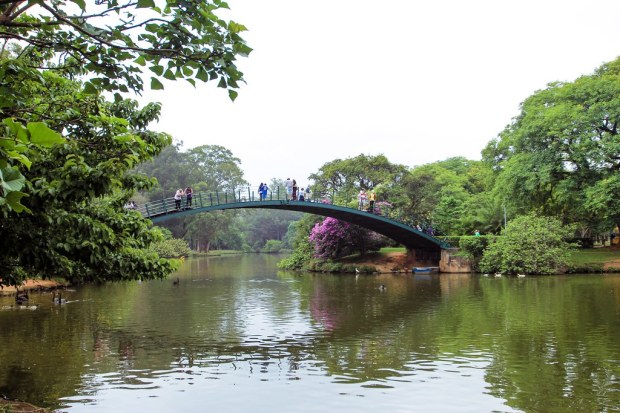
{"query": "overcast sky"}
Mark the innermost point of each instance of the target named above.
(417, 81)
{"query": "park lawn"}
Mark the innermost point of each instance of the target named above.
(388, 250)
(582, 257)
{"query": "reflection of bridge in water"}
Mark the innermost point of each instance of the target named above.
(381, 222)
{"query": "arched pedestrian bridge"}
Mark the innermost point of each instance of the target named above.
(410, 237)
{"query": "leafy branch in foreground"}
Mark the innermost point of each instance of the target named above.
(112, 42)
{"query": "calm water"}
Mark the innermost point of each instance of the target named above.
(236, 335)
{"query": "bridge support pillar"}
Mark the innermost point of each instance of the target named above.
(450, 262)
(419, 257)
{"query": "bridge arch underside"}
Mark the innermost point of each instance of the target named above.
(403, 234)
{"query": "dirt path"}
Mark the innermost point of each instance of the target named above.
(32, 285)
(385, 263)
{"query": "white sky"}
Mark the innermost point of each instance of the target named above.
(417, 81)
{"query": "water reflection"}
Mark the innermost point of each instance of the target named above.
(235, 334)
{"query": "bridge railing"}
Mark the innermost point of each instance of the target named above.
(204, 199)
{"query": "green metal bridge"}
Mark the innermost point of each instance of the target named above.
(390, 226)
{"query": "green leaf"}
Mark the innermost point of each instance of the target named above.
(145, 4)
(41, 134)
(20, 158)
(202, 75)
(90, 89)
(232, 94)
(156, 84)
(169, 75)
(236, 27)
(11, 179)
(17, 128)
(140, 61)
(158, 70)
(81, 4)
(13, 199)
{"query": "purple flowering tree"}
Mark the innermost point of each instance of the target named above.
(333, 238)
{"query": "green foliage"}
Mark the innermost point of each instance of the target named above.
(473, 248)
(74, 224)
(319, 265)
(300, 258)
(272, 246)
(111, 43)
(260, 226)
(351, 175)
(448, 195)
(529, 244)
(560, 154)
(16, 141)
(171, 248)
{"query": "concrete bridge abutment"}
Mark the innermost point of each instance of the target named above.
(422, 257)
(446, 259)
(452, 262)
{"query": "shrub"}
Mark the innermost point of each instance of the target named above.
(272, 246)
(300, 258)
(529, 244)
(171, 248)
(473, 248)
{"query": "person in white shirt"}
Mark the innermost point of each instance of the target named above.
(288, 184)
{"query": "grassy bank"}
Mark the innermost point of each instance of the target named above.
(604, 259)
(591, 260)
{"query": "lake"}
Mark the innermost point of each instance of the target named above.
(237, 335)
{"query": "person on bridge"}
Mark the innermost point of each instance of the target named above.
(263, 192)
(372, 197)
(361, 197)
(288, 185)
(307, 195)
(177, 198)
(294, 195)
(188, 197)
(301, 194)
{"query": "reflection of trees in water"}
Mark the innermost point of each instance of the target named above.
(551, 341)
(557, 345)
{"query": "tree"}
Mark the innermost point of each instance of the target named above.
(110, 42)
(207, 229)
(172, 169)
(333, 238)
(65, 151)
(441, 194)
(217, 167)
(261, 226)
(529, 244)
(75, 226)
(363, 172)
(561, 153)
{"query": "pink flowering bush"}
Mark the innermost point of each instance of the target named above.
(383, 208)
(332, 238)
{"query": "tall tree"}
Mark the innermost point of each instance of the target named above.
(217, 167)
(75, 226)
(564, 143)
(172, 169)
(363, 172)
(443, 193)
(108, 44)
